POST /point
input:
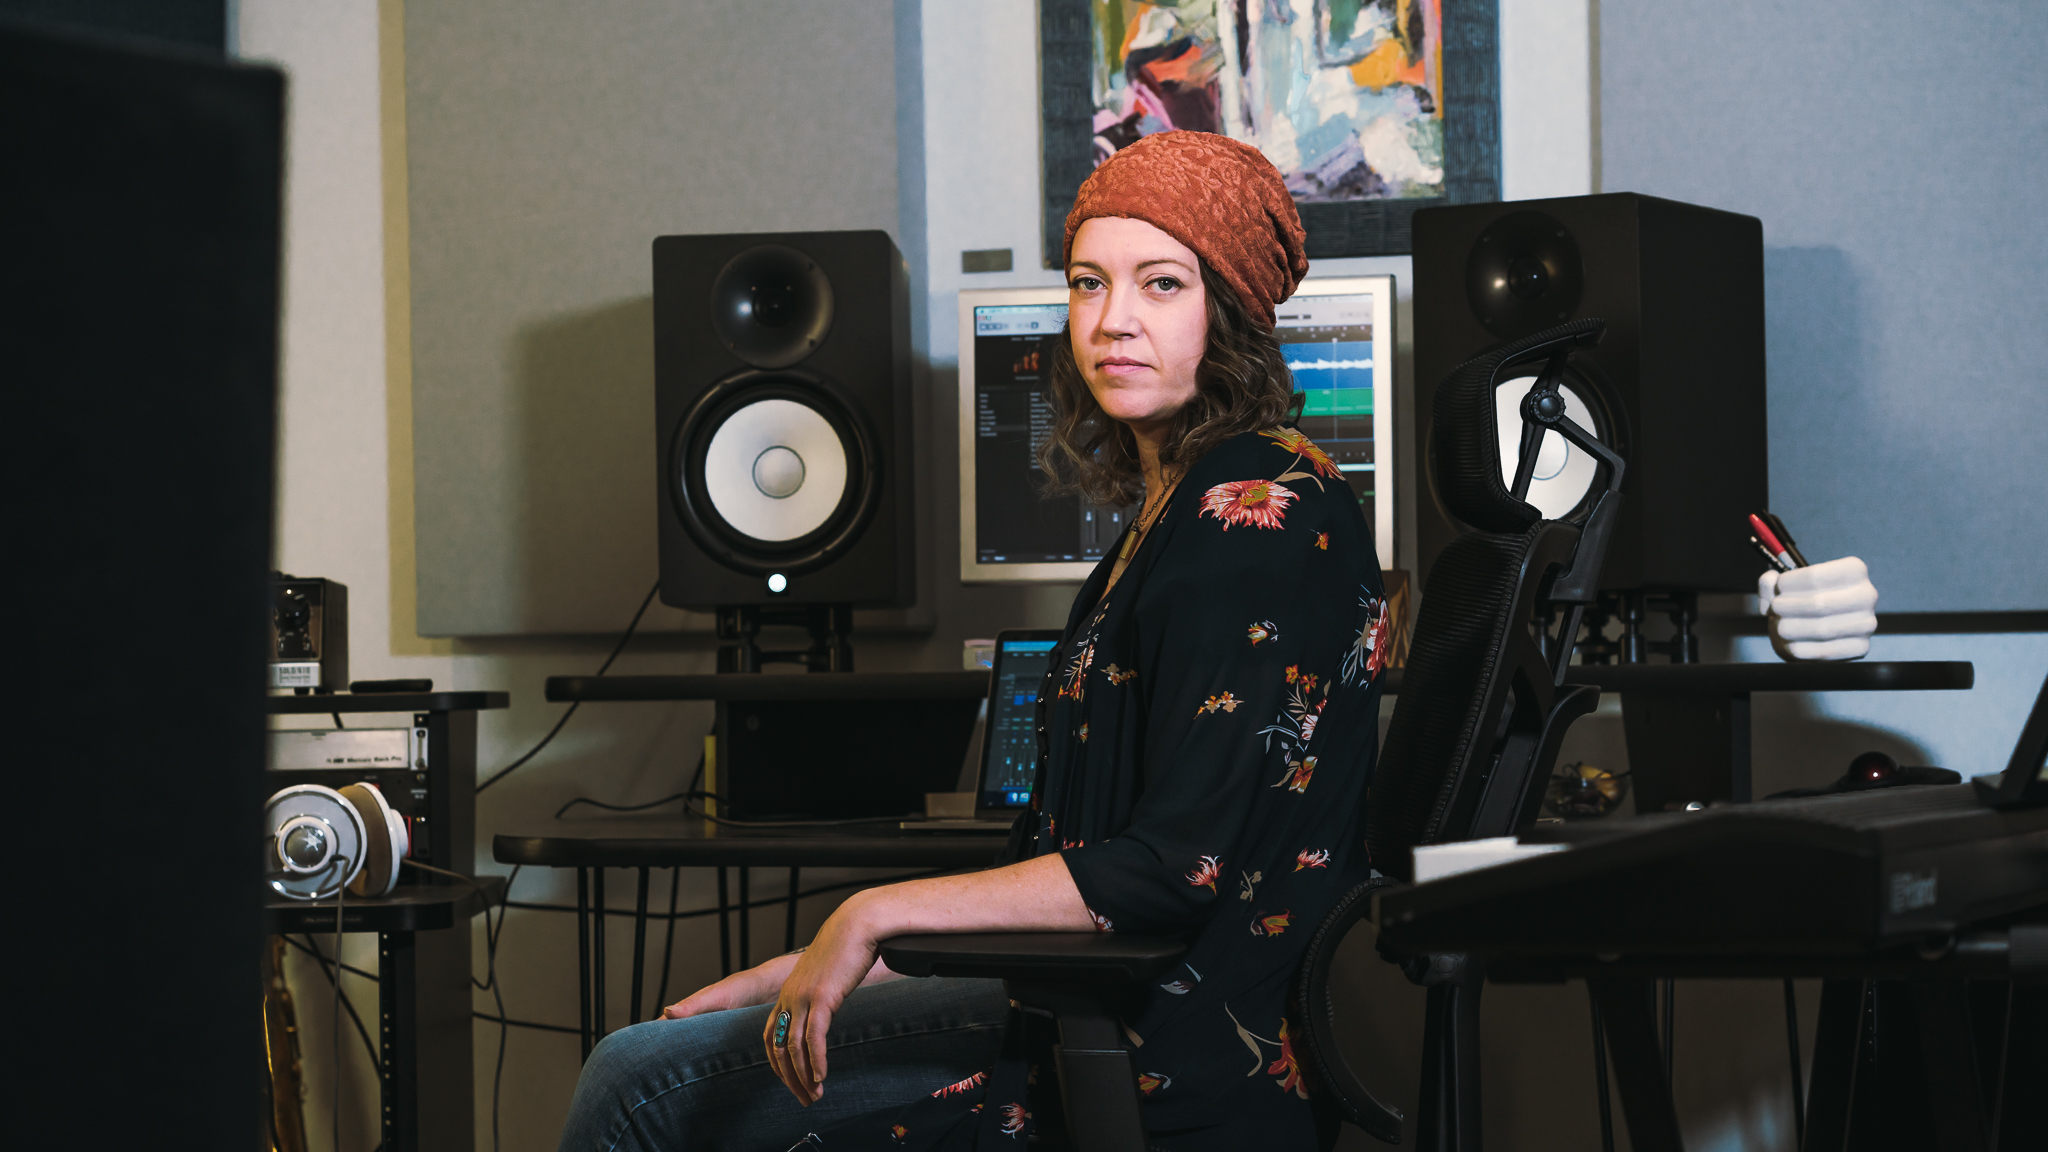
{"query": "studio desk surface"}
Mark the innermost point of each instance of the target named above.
(697, 843)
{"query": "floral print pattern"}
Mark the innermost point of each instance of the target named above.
(972, 1082)
(1297, 775)
(1260, 596)
(1287, 1068)
(1369, 651)
(1270, 925)
(1074, 683)
(1304, 449)
(1256, 503)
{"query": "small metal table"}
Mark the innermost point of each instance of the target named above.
(423, 1017)
(591, 846)
(423, 952)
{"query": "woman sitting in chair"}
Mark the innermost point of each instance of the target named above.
(1208, 729)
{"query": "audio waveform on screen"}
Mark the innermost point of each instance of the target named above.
(1328, 365)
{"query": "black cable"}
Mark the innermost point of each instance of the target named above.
(602, 669)
(325, 963)
(1600, 1075)
(526, 1024)
(668, 949)
(491, 938)
(312, 948)
(1670, 1013)
(635, 807)
(693, 793)
(703, 815)
(490, 981)
(1792, 1042)
(340, 895)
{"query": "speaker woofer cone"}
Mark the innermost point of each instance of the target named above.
(771, 305)
(774, 472)
(1598, 410)
(1563, 486)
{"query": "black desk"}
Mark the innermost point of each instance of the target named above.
(1687, 725)
(591, 846)
(1919, 908)
(425, 1026)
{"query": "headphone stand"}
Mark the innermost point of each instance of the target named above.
(830, 626)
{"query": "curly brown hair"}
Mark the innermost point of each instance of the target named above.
(1242, 385)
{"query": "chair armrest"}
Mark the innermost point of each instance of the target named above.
(1053, 957)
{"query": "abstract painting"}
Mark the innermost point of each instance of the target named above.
(1369, 108)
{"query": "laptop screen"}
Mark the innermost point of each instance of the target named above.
(1009, 747)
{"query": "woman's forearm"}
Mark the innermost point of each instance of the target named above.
(1034, 895)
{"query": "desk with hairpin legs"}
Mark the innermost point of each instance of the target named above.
(591, 846)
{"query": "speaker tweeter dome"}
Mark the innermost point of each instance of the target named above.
(772, 305)
(1524, 275)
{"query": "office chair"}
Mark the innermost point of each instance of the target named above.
(1482, 710)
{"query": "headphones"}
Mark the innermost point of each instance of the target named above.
(318, 840)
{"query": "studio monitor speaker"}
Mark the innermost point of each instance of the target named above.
(782, 403)
(1678, 383)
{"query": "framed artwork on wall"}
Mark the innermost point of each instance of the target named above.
(1370, 109)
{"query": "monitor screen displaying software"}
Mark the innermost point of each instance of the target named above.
(1336, 334)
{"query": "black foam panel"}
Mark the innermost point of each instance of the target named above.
(138, 348)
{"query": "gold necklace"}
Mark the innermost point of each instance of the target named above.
(1147, 516)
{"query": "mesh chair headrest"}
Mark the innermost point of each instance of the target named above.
(1465, 441)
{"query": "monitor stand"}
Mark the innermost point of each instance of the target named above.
(830, 626)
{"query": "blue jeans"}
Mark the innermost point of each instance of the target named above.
(704, 1083)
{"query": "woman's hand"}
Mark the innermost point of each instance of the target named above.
(756, 985)
(838, 961)
(1036, 895)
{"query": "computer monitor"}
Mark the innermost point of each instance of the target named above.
(1337, 335)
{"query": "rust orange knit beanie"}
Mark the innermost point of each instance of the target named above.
(1220, 197)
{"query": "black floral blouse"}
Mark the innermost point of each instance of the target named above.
(1208, 731)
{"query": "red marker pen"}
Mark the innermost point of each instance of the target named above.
(1769, 539)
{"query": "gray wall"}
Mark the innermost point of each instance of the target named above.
(547, 146)
(1895, 153)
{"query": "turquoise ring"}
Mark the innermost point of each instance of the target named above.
(782, 1029)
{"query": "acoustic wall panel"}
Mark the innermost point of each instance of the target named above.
(1905, 262)
(547, 145)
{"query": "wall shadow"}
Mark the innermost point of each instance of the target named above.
(584, 515)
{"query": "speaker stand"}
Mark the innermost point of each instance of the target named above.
(830, 626)
(1632, 647)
